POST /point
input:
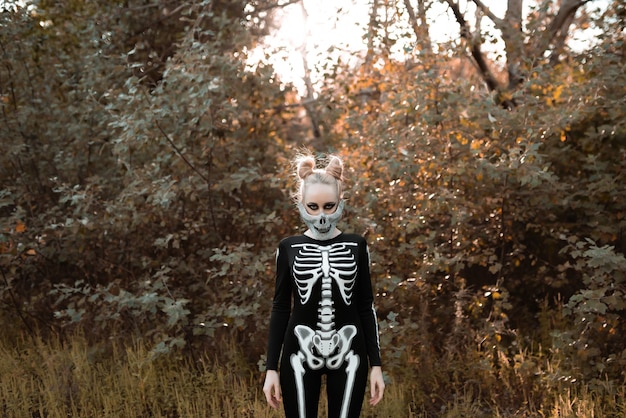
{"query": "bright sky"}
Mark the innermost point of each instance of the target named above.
(335, 29)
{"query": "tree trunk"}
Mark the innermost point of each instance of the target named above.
(420, 27)
(517, 53)
(310, 110)
(513, 38)
(371, 33)
(557, 31)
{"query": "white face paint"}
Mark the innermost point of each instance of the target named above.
(322, 225)
(321, 209)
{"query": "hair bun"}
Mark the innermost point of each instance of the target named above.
(335, 167)
(306, 166)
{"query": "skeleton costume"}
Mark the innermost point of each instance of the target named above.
(332, 329)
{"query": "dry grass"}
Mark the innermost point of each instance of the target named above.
(52, 380)
(56, 380)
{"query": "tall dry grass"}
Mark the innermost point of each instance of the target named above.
(72, 379)
(51, 379)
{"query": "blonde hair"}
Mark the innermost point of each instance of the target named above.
(307, 174)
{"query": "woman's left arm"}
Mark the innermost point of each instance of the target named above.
(369, 323)
(365, 302)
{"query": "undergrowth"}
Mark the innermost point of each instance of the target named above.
(123, 379)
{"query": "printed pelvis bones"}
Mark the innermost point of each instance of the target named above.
(325, 345)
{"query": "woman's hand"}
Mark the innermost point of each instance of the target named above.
(378, 385)
(271, 388)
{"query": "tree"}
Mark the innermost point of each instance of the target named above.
(526, 45)
(419, 24)
(469, 206)
(120, 177)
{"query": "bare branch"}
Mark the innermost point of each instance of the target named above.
(475, 50)
(568, 9)
(371, 32)
(180, 153)
(412, 18)
(307, 75)
(276, 5)
(487, 12)
(419, 28)
(559, 40)
(556, 32)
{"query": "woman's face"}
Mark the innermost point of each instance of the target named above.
(321, 209)
(320, 199)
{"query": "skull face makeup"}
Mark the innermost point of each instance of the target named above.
(322, 225)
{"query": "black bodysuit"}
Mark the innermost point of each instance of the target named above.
(332, 329)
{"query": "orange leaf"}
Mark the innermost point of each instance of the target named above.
(20, 227)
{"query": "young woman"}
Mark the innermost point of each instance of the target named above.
(332, 329)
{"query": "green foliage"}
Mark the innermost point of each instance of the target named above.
(593, 344)
(476, 199)
(133, 230)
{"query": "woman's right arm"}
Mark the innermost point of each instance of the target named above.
(271, 388)
(281, 309)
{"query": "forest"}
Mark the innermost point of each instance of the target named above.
(146, 180)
